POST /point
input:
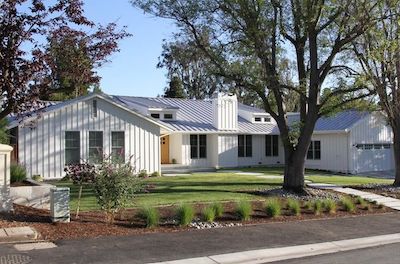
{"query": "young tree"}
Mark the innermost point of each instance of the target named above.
(175, 89)
(378, 52)
(244, 40)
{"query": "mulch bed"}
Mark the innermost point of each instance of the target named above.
(92, 224)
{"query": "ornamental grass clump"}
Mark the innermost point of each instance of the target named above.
(360, 200)
(243, 210)
(185, 214)
(218, 209)
(150, 216)
(309, 205)
(273, 208)
(329, 205)
(208, 214)
(317, 207)
(294, 207)
(347, 204)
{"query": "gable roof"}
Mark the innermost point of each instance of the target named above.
(54, 107)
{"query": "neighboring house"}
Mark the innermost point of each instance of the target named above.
(216, 133)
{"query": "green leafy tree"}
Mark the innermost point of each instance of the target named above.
(378, 53)
(4, 135)
(247, 40)
(175, 89)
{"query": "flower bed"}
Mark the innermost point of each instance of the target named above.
(92, 224)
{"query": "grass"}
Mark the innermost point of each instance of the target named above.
(243, 210)
(218, 209)
(329, 205)
(273, 207)
(317, 207)
(294, 206)
(184, 214)
(348, 204)
(208, 214)
(211, 187)
(150, 216)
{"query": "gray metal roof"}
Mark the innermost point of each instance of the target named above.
(132, 101)
(250, 108)
(340, 121)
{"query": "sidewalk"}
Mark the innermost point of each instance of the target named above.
(161, 247)
(380, 199)
(17, 234)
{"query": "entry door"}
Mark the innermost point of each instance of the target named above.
(164, 141)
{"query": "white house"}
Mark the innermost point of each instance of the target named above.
(216, 133)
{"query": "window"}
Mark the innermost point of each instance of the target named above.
(118, 146)
(95, 146)
(198, 146)
(271, 145)
(257, 119)
(245, 145)
(155, 115)
(373, 146)
(267, 119)
(72, 147)
(314, 151)
(94, 108)
(167, 116)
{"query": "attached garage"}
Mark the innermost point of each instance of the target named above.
(374, 157)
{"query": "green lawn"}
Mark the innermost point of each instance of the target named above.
(208, 187)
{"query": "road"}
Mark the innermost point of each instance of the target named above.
(388, 254)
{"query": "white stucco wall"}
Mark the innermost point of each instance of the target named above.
(41, 146)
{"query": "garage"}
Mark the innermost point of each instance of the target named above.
(374, 157)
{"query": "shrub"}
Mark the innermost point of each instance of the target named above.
(37, 178)
(150, 215)
(317, 207)
(293, 206)
(115, 186)
(185, 214)
(329, 205)
(360, 200)
(17, 173)
(273, 208)
(143, 174)
(218, 209)
(208, 214)
(155, 174)
(309, 205)
(347, 204)
(173, 161)
(243, 210)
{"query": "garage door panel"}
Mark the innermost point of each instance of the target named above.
(371, 159)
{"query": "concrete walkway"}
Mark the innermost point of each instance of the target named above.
(380, 199)
(17, 234)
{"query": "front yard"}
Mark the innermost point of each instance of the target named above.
(210, 187)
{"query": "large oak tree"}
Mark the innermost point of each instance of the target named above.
(247, 39)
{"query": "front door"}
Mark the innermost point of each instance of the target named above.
(164, 141)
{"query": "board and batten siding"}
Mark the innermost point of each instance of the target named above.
(334, 153)
(41, 144)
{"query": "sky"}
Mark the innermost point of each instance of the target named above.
(132, 71)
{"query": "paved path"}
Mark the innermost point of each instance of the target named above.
(147, 248)
(17, 234)
(380, 199)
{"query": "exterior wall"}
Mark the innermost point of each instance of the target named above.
(370, 130)
(209, 161)
(258, 156)
(41, 145)
(225, 112)
(227, 151)
(334, 153)
(175, 148)
(5, 160)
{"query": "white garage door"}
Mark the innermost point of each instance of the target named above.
(374, 157)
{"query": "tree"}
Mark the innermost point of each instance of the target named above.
(243, 39)
(378, 53)
(25, 72)
(175, 89)
(74, 55)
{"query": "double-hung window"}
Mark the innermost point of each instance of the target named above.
(198, 146)
(118, 145)
(72, 147)
(314, 150)
(95, 146)
(245, 145)
(271, 145)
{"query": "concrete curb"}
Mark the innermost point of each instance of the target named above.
(293, 252)
(17, 234)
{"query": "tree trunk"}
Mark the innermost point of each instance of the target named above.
(293, 179)
(396, 149)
